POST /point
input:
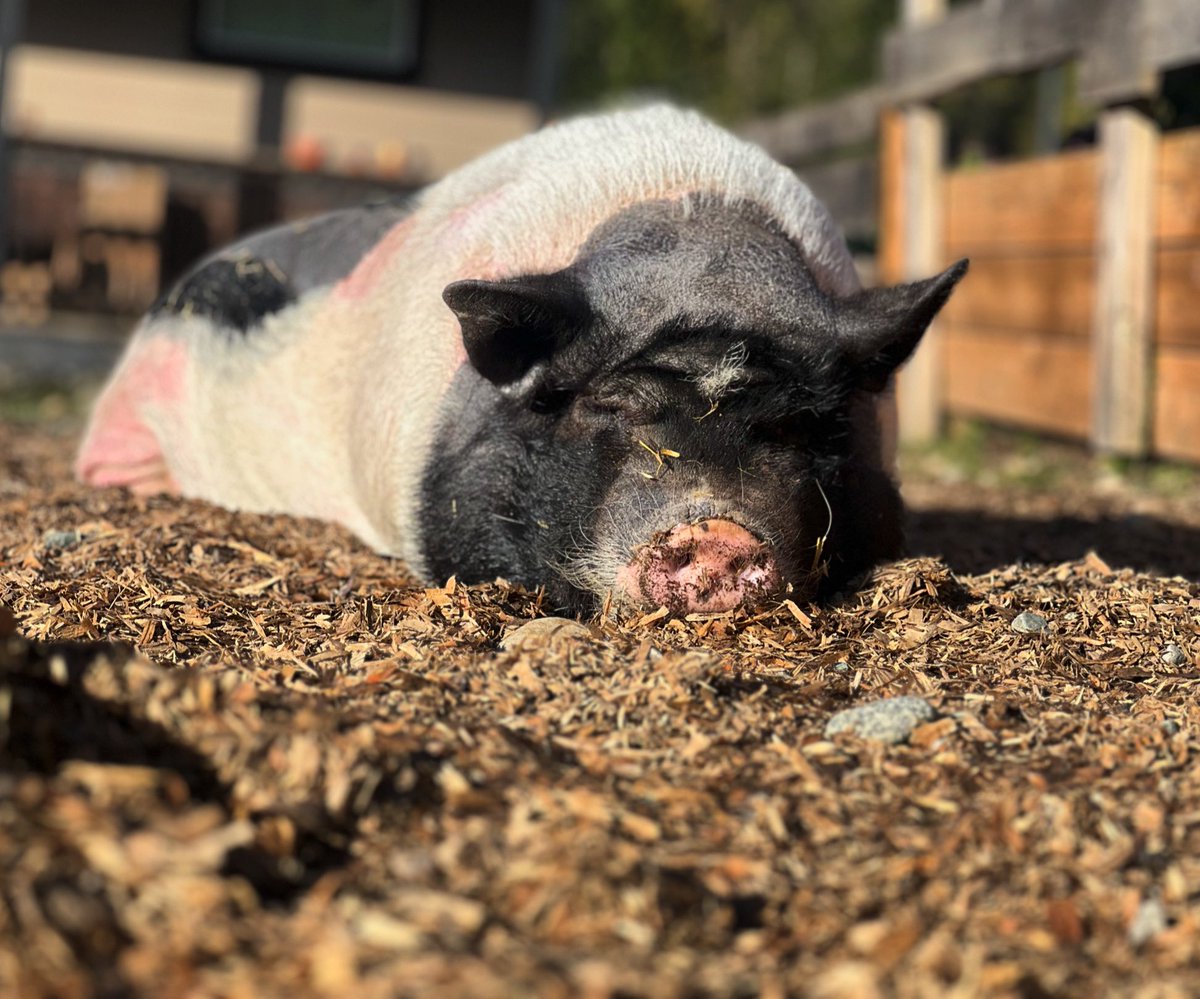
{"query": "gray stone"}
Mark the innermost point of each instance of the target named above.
(61, 539)
(1173, 655)
(1029, 623)
(543, 631)
(1148, 922)
(842, 667)
(890, 720)
(1170, 727)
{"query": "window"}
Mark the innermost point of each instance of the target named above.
(376, 37)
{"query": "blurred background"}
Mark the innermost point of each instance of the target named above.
(1055, 142)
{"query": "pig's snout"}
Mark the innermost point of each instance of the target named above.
(713, 565)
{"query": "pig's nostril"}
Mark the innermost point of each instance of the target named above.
(678, 559)
(754, 575)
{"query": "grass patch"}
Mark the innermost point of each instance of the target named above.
(972, 451)
(46, 402)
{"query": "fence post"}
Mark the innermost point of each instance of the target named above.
(1123, 323)
(913, 140)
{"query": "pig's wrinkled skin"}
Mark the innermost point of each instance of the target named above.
(625, 356)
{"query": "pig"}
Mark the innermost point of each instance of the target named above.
(624, 358)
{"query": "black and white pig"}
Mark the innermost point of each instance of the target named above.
(627, 355)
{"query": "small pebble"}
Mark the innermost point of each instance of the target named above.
(890, 720)
(842, 667)
(543, 631)
(1029, 623)
(1148, 922)
(61, 539)
(1170, 727)
(1173, 655)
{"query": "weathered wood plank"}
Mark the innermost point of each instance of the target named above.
(1177, 404)
(979, 40)
(1122, 331)
(1049, 202)
(1174, 33)
(922, 11)
(1122, 45)
(1117, 64)
(889, 254)
(118, 102)
(1177, 298)
(1051, 294)
(1178, 211)
(919, 383)
(1023, 379)
(448, 129)
(795, 137)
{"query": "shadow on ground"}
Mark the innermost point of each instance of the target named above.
(973, 541)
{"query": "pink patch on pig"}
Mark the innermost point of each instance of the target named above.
(463, 220)
(363, 279)
(120, 449)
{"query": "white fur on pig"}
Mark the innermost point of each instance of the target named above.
(330, 409)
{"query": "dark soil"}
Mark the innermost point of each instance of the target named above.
(240, 756)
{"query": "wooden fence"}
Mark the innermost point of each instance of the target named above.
(1081, 314)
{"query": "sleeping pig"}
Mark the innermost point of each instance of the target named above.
(626, 356)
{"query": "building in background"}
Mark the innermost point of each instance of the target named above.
(140, 135)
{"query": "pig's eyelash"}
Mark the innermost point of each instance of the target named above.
(726, 374)
(552, 400)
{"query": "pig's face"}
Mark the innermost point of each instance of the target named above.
(680, 417)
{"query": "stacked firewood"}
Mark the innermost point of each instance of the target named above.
(24, 293)
(122, 209)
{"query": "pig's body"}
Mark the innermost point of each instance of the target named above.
(317, 370)
(246, 385)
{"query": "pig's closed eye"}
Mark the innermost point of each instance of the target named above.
(551, 401)
(622, 403)
(604, 405)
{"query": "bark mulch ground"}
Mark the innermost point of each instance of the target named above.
(242, 756)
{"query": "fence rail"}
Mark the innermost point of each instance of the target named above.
(1122, 45)
(1081, 315)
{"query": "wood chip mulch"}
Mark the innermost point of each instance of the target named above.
(241, 756)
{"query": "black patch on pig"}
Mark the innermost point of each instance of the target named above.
(266, 272)
(235, 293)
(550, 446)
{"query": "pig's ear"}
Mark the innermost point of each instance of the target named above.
(880, 328)
(511, 327)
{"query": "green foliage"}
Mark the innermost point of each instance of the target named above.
(732, 58)
(977, 452)
(44, 402)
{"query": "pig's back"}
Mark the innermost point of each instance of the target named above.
(237, 287)
(234, 387)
